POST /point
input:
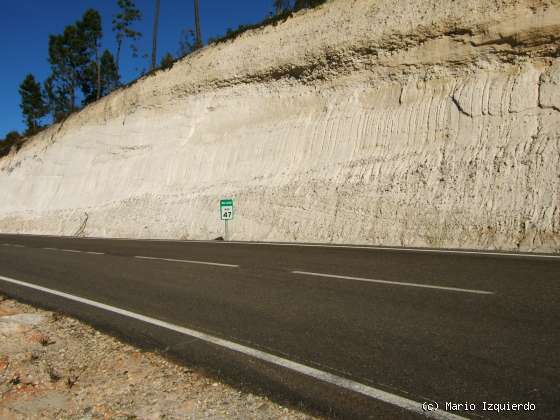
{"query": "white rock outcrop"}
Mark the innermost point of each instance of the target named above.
(417, 123)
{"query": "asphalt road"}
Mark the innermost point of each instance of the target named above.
(354, 332)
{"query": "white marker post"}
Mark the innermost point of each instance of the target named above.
(226, 213)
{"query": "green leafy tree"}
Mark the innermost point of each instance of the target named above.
(32, 104)
(10, 140)
(111, 78)
(122, 26)
(75, 59)
(91, 30)
(167, 61)
(12, 137)
(68, 56)
(57, 97)
(109, 81)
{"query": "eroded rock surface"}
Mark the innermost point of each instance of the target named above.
(416, 123)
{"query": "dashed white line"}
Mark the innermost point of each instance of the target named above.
(348, 384)
(396, 283)
(186, 261)
(326, 245)
(18, 246)
(74, 250)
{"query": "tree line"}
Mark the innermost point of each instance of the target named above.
(83, 72)
(81, 69)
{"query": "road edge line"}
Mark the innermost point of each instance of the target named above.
(348, 384)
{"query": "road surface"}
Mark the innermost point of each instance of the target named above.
(356, 332)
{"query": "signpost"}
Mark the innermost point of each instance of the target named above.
(226, 213)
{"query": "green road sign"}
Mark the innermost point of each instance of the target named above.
(226, 209)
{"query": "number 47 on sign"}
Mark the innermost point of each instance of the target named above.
(226, 209)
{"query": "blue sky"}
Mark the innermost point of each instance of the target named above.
(27, 24)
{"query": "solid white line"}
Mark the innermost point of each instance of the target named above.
(186, 261)
(311, 245)
(396, 283)
(368, 247)
(339, 381)
(378, 248)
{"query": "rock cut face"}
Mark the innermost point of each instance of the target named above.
(414, 123)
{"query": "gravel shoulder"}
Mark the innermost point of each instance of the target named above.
(53, 366)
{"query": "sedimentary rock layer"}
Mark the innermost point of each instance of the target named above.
(416, 123)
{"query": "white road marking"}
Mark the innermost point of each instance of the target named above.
(369, 247)
(6, 244)
(396, 283)
(18, 246)
(384, 248)
(74, 250)
(378, 394)
(186, 261)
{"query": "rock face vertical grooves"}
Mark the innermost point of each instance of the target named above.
(392, 127)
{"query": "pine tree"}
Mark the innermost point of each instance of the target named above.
(57, 98)
(75, 62)
(68, 56)
(10, 140)
(91, 30)
(12, 137)
(167, 61)
(110, 79)
(122, 23)
(187, 42)
(33, 104)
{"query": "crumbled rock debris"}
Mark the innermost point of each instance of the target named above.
(53, 366)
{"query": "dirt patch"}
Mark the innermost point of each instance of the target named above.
(53, 366)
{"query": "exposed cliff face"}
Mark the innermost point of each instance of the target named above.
(382, 122)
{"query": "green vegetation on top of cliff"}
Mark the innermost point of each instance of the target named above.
(82, 73)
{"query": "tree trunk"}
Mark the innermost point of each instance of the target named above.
(154, 38)
(198, 33)
(73, 94)
(119, 45)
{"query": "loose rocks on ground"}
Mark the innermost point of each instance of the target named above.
(53, 366)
